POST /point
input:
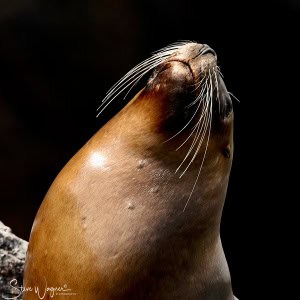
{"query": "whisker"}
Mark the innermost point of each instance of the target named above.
(204, 126)
(219, 71)
(198, 175)
(194, 127)
(204, 155)
(131, 78)
(200, 129)
(194, 90)
(201, 135)
(234, 97)
(185, 126)
(122, 88)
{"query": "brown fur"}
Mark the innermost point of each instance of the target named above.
(112, 224)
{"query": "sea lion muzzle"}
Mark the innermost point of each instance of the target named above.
(181, 78)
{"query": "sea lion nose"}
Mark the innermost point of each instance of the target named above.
(206, 49)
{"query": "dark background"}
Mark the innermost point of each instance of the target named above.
(58, 58)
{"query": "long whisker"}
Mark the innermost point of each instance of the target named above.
(205, 151)
(123, 87)
(200, 94)
(132, 77)
(219, 71)
(198, 175)
(198, 84)
(204, 126)
(200, 126)
(198, 99)
(194, 128)
(200, 137)
(234, 97)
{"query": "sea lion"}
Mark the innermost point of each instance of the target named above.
(135, 214)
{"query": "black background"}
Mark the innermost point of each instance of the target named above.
(58, 58)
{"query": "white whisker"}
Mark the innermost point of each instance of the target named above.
(131, 78)
(205, 151)
(219, 71)
(194, 127)
(200, 126)
(234, 97)
(204, 126)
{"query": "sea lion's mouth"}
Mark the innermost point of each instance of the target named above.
(202, 63)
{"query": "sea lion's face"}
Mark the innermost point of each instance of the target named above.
(182, 121)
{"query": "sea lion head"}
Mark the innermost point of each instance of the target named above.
(184, 116)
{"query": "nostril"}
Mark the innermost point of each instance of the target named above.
(206, 49)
